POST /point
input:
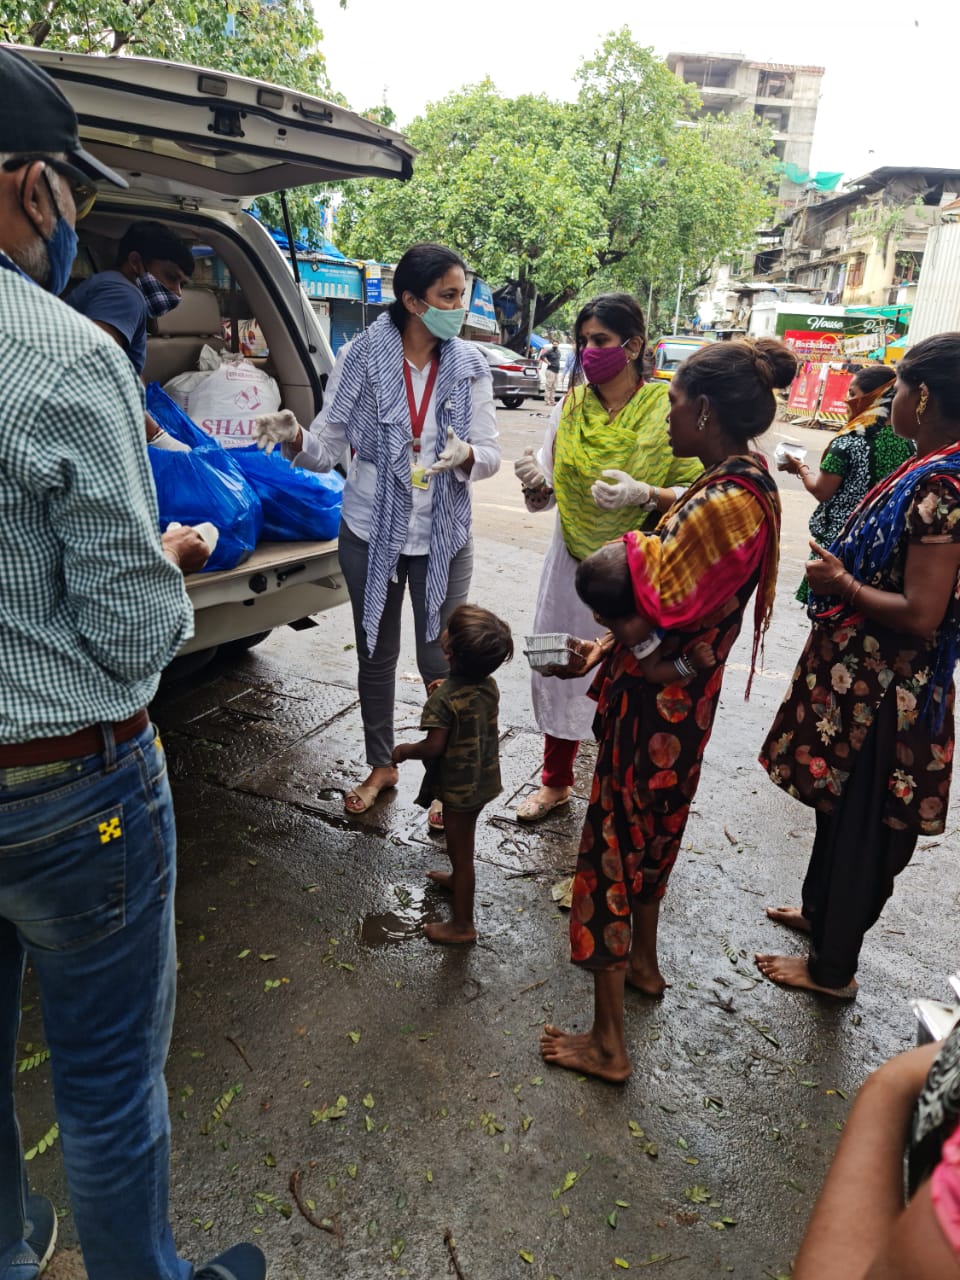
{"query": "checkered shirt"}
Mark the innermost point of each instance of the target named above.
(90, 609)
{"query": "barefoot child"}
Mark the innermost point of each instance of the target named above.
(461, 752)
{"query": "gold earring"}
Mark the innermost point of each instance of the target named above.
(922, 406)
(703, 419)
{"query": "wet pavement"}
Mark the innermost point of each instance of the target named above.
(364, 1104)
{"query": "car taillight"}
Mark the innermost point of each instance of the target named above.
(510, 368)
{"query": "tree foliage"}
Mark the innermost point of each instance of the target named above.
(617, 189)
(275, 40)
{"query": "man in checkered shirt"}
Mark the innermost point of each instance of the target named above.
(92, 607)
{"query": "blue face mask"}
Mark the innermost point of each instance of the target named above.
(61, 251)
(443, 323)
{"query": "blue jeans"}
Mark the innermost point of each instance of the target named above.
(87, 871)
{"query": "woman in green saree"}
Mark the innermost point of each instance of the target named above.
(607, 466)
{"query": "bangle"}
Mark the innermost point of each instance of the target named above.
(853, 594)
(684, 667)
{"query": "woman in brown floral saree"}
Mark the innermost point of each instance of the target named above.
(865, 733)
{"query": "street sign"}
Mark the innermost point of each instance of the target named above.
(372, 282)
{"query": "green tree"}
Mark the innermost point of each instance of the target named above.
(276, 40)
(499, 179)
(617, 189)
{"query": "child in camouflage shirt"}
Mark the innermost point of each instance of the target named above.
(461, 752)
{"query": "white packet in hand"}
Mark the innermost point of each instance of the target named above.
(788, 449)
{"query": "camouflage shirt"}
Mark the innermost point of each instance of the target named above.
(467, 775)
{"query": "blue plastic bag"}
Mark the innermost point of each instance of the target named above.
(203, 485)
(297, 504)
(173, 419)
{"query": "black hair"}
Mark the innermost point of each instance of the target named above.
(420, 267)
(873, 376)
(622, 315)
(604, 583)
(155, 243)
(478, 641)
(935, 363)
(738, 379)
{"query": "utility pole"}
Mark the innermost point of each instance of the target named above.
(676, 314)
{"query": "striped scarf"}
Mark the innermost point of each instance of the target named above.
(371, 400)
(870, 540)
(724, 527)
(588, 442)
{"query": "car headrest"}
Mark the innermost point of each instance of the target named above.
(198, 313)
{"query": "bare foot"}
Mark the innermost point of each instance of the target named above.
(792, 971)
(792, 917)
(450, 934)
(585, 1054)
(442, 879)
(649, 982)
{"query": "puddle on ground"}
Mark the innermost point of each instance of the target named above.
(386, 928)
(380, 929)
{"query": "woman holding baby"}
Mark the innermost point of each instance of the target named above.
(691, 580)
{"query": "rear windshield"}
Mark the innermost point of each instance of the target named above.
(672, 354)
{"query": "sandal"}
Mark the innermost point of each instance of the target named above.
(435, 817)
(367, 795)
(531, 809)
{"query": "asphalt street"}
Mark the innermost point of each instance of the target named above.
(329, 1066)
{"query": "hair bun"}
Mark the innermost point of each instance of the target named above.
(775, 363)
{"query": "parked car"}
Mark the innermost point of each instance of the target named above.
(197, 147)
(514, 377)
(670, 352)
(566, 364)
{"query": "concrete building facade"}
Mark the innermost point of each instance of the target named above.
(865, 246)
(783, 96)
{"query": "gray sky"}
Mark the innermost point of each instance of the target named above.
(889, 96)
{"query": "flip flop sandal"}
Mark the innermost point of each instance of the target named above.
(435, 817)
(367, 794)
(530, 810)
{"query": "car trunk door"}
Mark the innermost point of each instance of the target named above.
(185, 133)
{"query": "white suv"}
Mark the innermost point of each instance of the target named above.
(197, 147)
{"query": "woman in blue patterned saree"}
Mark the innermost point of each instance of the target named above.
(865, 733)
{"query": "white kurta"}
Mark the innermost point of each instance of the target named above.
(561, 707)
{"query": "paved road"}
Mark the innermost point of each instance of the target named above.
(318, 1031)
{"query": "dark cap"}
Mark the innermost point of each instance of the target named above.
(36, 117)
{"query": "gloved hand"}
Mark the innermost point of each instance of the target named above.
(186, 546)
(271, 429)
(527, 471)
(207, 530)
(166, 441)
(621, 490)
(455, 454)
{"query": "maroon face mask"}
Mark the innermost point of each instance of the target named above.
(602, 364)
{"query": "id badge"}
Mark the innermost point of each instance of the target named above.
(418, 479)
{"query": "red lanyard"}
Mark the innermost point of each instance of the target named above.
(417, 416)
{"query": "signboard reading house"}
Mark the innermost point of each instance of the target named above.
(846, 325)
